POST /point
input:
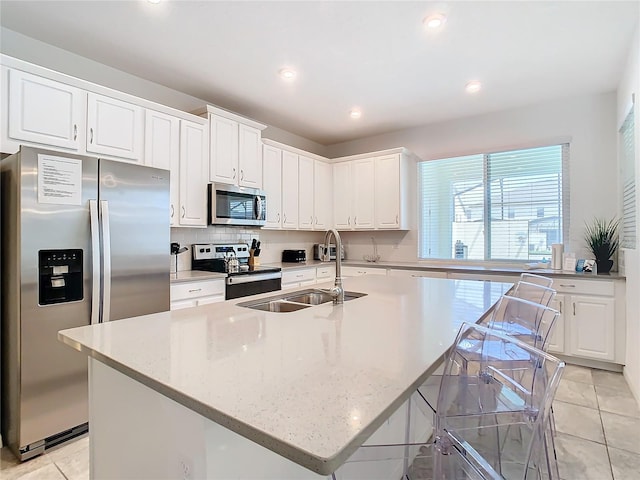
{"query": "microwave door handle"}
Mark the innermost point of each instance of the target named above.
(257, 210)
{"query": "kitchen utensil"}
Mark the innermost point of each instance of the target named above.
(253, 244)
(257, 252)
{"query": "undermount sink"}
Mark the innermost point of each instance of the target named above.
(293, 301)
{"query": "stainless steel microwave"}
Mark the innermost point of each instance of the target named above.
(231, 205)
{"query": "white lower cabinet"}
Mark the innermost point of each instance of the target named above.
(556, 342)
(298, 278)
(193, 294)
(325, 273)
(416, 273)
(592, 326)
(359, 271)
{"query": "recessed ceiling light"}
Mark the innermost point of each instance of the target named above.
(473, 87)
(287, 73)
(355, 113)
(434, 21)
(153, 1)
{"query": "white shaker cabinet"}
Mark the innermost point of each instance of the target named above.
(114, 127)
(363, 196)
(592, 327)
(305, 193)
(224, 150)
(193, 169)
(359, 271)
(249, 156)
(387, 192)
(289, 190)
(342, 195)
(298, 278)
(272, 184)
(555, 344)
(193, 294)
(322, 195)
(44, 111)
(162, 150)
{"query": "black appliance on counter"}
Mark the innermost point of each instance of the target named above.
(297, 256)
(247, 280)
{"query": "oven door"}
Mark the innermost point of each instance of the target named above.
(231, 205)
(245, 285)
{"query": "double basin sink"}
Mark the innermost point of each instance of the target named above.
(293, 301)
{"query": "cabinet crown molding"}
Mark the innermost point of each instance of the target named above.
(213, 110)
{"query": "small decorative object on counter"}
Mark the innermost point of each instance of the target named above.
(375, 257)
(601, 237)
(176, 249)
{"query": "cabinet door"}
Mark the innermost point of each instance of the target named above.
(162, 150)
(363, 193)
(342, 196)
(556, 343)
(44, 111)
(416, 273)
(249, 157)
(114, 127)
(592, 327)
(193, 171)
(305, 193)
(289, 190)
(387, 191)
(322, 196)
(224, 150)
(272, 184)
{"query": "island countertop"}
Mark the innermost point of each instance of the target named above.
(310, 385)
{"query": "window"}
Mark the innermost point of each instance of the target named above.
(628, 178)
(494, 206)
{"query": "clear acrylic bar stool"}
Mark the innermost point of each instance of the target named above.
(536, 279)
(492, 412)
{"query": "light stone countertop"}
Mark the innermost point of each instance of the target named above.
(194, 275)
(310, 385)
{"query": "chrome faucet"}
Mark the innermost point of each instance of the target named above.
(337, 292)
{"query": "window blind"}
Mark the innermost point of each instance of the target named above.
(499, 206)
(628, 180)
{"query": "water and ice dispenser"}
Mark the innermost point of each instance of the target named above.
(60, 276)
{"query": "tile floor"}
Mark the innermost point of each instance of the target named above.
(597, 419)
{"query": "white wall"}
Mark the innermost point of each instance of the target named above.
(629, 85)
(34, 51)
(588, 122)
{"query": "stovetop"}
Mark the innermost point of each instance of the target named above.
(212, 258)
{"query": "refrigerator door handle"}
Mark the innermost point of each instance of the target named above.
(106, 256)
(95, 262)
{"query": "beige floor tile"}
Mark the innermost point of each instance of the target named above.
(608, 379)
(617, 400)
(621, 432)
(577, 393)
(76, 466)
(625, 465)
(582, 459)
(11, 469)
(47, 472)
(578, 421)
(577, 374)
(80, 444)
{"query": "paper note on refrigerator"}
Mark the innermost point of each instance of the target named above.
(59, 180)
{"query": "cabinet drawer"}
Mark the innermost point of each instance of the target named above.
(584, 287)
(327, 272)
(295, 276)
(359, 271)
(187, 290)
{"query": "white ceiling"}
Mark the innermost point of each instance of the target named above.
(374, 55)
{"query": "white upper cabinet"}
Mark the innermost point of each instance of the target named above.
(44, 111)
(162, 150)
(322, 196)
(114, 127)
(305, 193)
(224, 150)
(272, 184)
(235, 148)
(387, 192)
(250, 156)
(193, 169)
(363, 198)
(289, 190)
(342, 195)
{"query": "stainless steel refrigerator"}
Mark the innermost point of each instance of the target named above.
(84, 240)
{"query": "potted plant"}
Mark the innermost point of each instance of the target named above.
(602, 239)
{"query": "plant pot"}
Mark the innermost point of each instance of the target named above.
(604, 266)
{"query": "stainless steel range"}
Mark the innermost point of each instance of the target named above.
(242, 279)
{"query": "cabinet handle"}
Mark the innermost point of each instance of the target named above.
(234, 173)
(91, 135)
(278, 218)
(574, 309)
(311, 219)
(184, 212)
(316, 220)
(560, 305)
(298, 276)
(349, 220)
(285, 218)
(355, 220)
(397, 216)
(195, 290)
(172, 211)
(241, 174)
(75, 131)
(567, 286)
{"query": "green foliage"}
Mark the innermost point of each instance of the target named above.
(602, 238)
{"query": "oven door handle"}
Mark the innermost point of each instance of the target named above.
(235, 280)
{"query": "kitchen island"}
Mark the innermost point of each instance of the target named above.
(214, 391)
